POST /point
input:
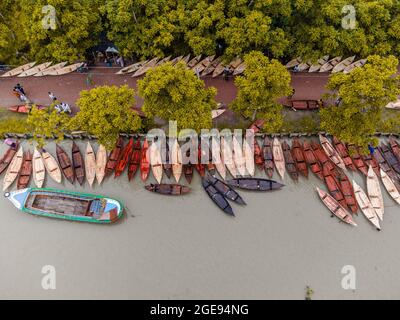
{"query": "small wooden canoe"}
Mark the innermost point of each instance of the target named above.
(279, 159)
(203, 64)
(248, 155)
(321, 155)
(225, 190)
(218, 69)
(341, 149)
(194, 61)
(188, 172)
(348, 192)
(7, 157)
(386, 167)
(366, 205)
(134, 163)
(201, 157)
(369, 160)
(124, 158)
(316, 67)
(50, 69)
(354, 65)
(132, 68)
(268, 157)
(176, 160)
(51, 166)
(18, 70)
(390, 157)
(39, 170)
(90, 164)
(35, 69)
(374, 193)
(289, 162)
(26, 171)
(78, 163)
(390, 187)
(258, 155)
(333, 185)
(166, 159)
(145, 161)
(186, 59)
(298, 157)
(176, 60)
(166, 59)
(255, 184)
(64, 70)
(65, 164)
(25, 108)
(216, 196)
(343, 65)
(13, 169)
(216, 113)
(156, 162)
(227, 156)
(312, 160)
(357, 158)
(394, 145)
(330, 64)
(332, 154)
(211, 67)
(240, 69)
(143, 69)
(293, 63)
(217, 158)
(168, 189)
(101, 162)
(304, 66)
(114, 156)
(335, 207)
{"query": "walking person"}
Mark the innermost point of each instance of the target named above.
(19, 88)
(52, 96)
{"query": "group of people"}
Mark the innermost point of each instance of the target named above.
(20, 93)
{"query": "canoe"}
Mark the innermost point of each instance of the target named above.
(203, 64)
(341, 149)
(78, 163)
(211, 67)
(316, 67)
(90, 164)
(67, 205)
(144, 68)
(35, 69)
(50, 69)
(176, 160)
(13, 169)
(216, 196)
(134, 163)
(258, 155)
(374, 193)
(390, 157)
(64, 70)
(355, 65)
(114, 156)
(168, 189)
(289, 162)
(279, 159)
(240, 69)
(366, 205)
(304, 66)
(330, 151)
(132, 68)
(333, 185)
(225, 190)
(227, 156)
(369, 160)
(156, 162)
(24, 108)
(26, 171)
(166, 59)
(330, 64)
(217, 113)
(394, 145)
(18, 70)
(51, 166)
(348, 192)
(7, 157)
(312, 160)
(201, 157)
(298, 157)
(293, 63)
(176, 60)
(390, 187)
(255, 184)
(268, 157)
(65, 164)
(186, 59)
(39, 170)
(257, 126)
(188, 172)
(194, 61)
(144, 161)
(217, 158)
(357, 158)
(235, 63)
(124, 158)
(101, 162)
(321, 155)
(166, 159)
(343, 65)
(248, 155)
(335, 207)
(386, 167)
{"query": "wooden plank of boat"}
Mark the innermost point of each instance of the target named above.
(168, 189)
(124, 158)
(7, 157)
(132, 68)
(366, 205)
(227, 156)
(39, 170)
(26, 171)
(289, 162)
(268, 157)
(304, 66)
(166, 159)
(348, 192)
(293, 63)
(164, 60)
(68, 205)
(298, 157)
(321, 155)
(186, 59)
(78, 163)
(50, 69)
(217, 158)
(316, 67)
(101, 162)
(255, 184)
(331, 152)
(248, 156)
(358, 160)
(335, 207)
(194, 61)
(342, 65)
(217, 113)
(176, 160)
(211, 67)
(35, 69)
(65, 164)
(375, 193)
(279, 159)
(390, 186)
(354, 65)
(18, 70)
(226, 190)
(64, 70)
(51, 166)
(156, 162)
(258, 155)
(144, 161)
(114, 156)
(90, 164)
(203, 64)
(390, 158)
(134, 163)
(312, 160)
(13, 169)
(333, 185)
(341, 149)
(176, 60)
(143, 69)
(239, 70)
(202, 157)
(216, 196)
(218, 69)
(330, 64)
(369, 160)
(386, 167)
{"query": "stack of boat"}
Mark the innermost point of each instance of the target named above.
(43, 69)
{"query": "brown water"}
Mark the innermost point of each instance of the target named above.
(185, 248)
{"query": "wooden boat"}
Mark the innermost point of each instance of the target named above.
(166, 59)
(194, 61)
(227, 157)
(134, 163)
(393, 104)
(7, 157)
(145, 161)
(390, 158)
(25, 108)
(176, 60)
(165, 155)
(348, 192)
(132, 68)
(257, 126)
(255, 184)
(217, 158)
(225, 190)
(144, 68)
(35, 69)
(51, 166)
(312, 160)
(240, 69)
(369, 160)
(78, 163)
(374, 193)
(394, 145)
(90, 164)
(114, 156)
(65, 164)
(176, 160)
(333, 185)
(298, 157)
(357, 158)
(216, 196)
(200, 167)
(390, 186)
(235, 63)
(304, 66)
(218, 70)
(335, 207)
(268, 157)
(124, 158)
(203, 64)
(211, 67)
(343, 65)
(168, 189)
(330, 64)
(279, 159)
(293, 63)
(366, 205)
(321, 156)
(26, 171)
(63, 70)
(188, 172)
(386, 167)
(18, 70)
(217, 113)
(101, 162)
(248, 155)
(68, 205)
(186, 59)
(303, 104)
(341, 149)
(354, 65)
(316, 67)
(13, 169)
(50, 69)
(289, 162)
(156, 162)
(258, 155)
(39, 170)
(331, 152)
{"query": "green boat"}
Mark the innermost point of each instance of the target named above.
(68, 205)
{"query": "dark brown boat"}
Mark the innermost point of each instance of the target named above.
(7, 157)
(358, 161)
(135, 160)
(78, 163)
(200, 167)
(255, 184)
(289, 162)
(65, 164)
(268, 157)
(188, 169)
(312, 160)
(390, 157)
(114, 156)
(344, 153)
(369, 160)
(394, 145)
(124, 158)
(333, 185)
(298, 157)
(225, 190)
(26, 171)
(321, 156)
(165, 156)
(168, 189)
(210, 165)
(348, 192)
(216, 196)
(386, 167)
(258, 155)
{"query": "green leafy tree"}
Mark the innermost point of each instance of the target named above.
(175, 93)
(263, 82)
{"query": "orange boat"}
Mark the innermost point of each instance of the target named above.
(348, 192)
(321, 156)
(114, 156)
(343, 153)
(333, 185)
(24, 108)
(258, 155)
(298, 157)
(357, 159)
(124, 158)
(144, 161)
(312, 160)
(134, 163)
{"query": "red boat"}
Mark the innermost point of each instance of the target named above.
(134, 163)
(369, 160)
(289, 162)
(24, 108)
(124, 158)
(344, 153)
(357, 159)
(298, 157)
(114, 156)
(201, 168)
(312, 160)
(268, 157)
(333, 185)
(321, 156)
(258, 155)
(257, 125)
(303, 104)
(348, 192)
(144, 162)
(26, 171)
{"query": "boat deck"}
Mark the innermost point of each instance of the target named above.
(59, 204)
